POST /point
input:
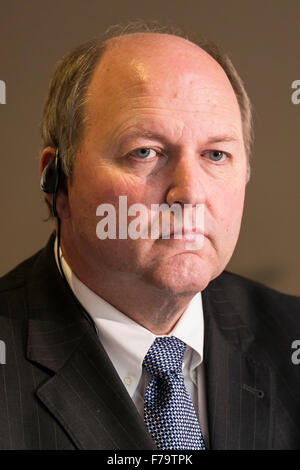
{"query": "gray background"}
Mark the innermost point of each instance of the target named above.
(262, 38)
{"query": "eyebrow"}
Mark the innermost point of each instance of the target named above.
(223, 138)
(157, 136)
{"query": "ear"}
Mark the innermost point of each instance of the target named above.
(62, 201)
(46, 156)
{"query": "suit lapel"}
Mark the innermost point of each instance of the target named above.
(84, 393)
(238, 386)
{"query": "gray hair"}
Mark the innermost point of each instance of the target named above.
(63, 118)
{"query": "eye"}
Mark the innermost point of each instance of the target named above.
(144, 153)
(144, 161)
(216, 155)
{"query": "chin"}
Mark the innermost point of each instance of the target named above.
(187, 277)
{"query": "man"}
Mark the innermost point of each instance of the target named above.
(139, 342)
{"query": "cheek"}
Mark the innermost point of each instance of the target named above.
(230, 209)
(102, 185)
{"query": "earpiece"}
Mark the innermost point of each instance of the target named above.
(50, 179)
(49, 184)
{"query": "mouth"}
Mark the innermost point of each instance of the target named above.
(186, 235)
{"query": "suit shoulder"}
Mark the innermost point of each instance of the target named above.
(257, 303)
(266, 311)
(16, 277)
(248, 288)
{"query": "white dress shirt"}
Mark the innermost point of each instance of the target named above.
(127, 342)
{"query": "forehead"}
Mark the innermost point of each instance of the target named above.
(168, 73)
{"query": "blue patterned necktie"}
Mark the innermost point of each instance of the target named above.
(168, 409)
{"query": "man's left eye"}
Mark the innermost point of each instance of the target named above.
(216, 155)
(144, 153)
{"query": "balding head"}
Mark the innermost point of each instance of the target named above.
(156, 61)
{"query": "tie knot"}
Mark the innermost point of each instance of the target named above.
(165, 356)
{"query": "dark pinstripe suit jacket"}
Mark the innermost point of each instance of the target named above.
(59, 389)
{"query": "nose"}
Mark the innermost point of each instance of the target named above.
(187, 183)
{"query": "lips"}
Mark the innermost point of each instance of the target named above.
(188, 235)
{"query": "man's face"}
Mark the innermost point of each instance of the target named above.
(157, 109)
